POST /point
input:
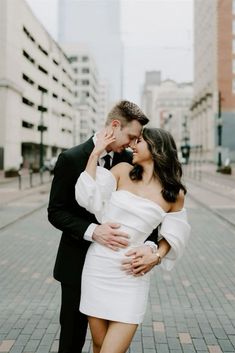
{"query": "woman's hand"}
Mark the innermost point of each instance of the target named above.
(104, 139)
(140, 260)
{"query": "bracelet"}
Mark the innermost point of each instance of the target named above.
(159, 258)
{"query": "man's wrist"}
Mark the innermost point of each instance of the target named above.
(152, 246)
(89, 232)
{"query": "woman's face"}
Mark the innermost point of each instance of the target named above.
(141, 152)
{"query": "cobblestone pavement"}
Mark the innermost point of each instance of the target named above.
(191, 309)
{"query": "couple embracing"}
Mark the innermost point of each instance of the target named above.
(109, 203)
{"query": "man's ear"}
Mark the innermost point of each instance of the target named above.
(116, 123)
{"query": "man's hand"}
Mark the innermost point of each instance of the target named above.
(140, 260)
(109, 235)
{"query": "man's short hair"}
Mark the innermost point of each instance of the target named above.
(126, 112)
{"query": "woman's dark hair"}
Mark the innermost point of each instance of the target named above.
(166, 164)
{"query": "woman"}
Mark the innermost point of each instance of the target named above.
(139, 197)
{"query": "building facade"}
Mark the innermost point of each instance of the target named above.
(167, 104)
(213, 106)
(87, 92)
(97, 25)
(36, 90)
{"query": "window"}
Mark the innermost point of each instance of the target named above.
(27, 125)
(85, 70)
(233, 86)
(27, 102)
(42, 109)
(55, 78)
(233, 26)
(42, 70)
(42, 89)
(233, 46)
(85, 82)
(55, 62)
(234, 7)
(27, 79)
(42, 128)
(73, 59)
(27, 56)
(85, 59)
(42, 50)
(55, 95)
(28, 34)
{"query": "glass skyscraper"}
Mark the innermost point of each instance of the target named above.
(96, 23)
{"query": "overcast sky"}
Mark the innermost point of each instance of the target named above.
(157, 35)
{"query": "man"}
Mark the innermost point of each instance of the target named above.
(79, 227)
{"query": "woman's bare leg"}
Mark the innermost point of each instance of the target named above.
(118, 337)
(98, 329)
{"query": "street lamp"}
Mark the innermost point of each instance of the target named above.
(185, 147)
(41, 128)
(167, 121)
(219, 132)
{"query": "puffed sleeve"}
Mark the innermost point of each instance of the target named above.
(176, 230)
(93, 194)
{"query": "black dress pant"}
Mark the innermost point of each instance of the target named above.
(73, 323)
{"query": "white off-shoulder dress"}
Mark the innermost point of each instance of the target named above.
(107, 291)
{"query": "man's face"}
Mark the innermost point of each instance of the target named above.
(126, 135)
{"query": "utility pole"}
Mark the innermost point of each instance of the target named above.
(41, 129)
(219, 131)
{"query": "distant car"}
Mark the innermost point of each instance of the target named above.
(49, 164)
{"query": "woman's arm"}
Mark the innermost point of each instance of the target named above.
(103, 140)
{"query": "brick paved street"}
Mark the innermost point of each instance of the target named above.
(191, 309)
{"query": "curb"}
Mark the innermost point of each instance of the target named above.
(35, 190)
(23, 216)
(212, 210)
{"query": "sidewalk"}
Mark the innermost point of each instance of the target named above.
(212, 190)
(16, 204)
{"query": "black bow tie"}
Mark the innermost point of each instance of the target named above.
(107, 161)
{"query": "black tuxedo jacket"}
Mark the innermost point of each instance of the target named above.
(65, 214)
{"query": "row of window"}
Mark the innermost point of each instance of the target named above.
(66, 130)
(31, 126)
(82, 82)
(41, 108)
(43, 89)
(83, 70)
(30, 36)
(44, 52)
(43, 70)
(75, 58)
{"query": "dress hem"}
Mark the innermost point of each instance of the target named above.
(111, 319)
